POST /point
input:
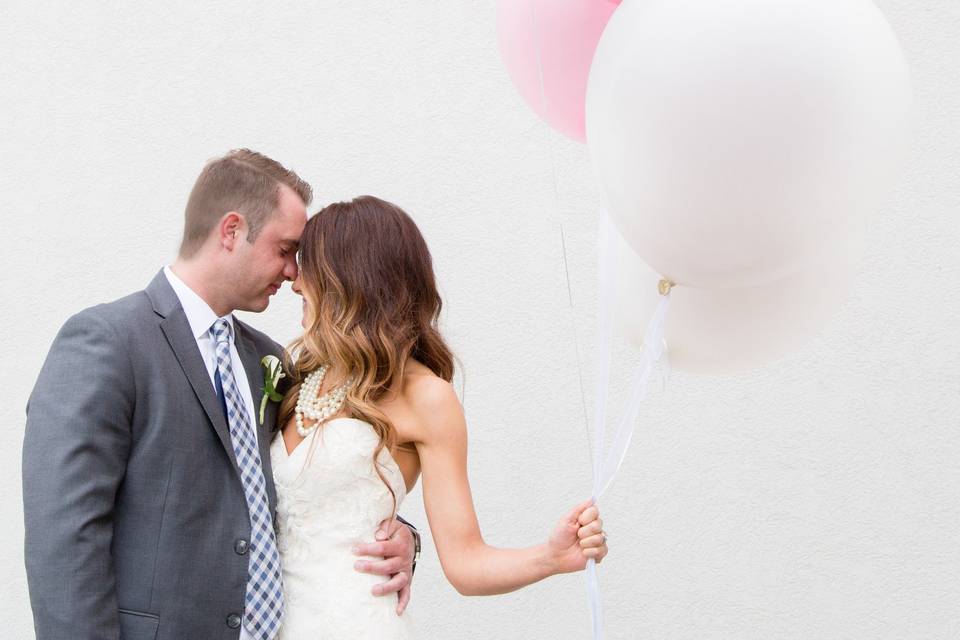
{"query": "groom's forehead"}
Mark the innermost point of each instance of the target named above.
(280, 231)
(289, 219)
(287, 233)
(290, 207)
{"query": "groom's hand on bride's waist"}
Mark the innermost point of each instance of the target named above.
(397, 546)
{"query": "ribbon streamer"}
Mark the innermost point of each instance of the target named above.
(605, 467)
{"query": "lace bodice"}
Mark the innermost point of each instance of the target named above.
(329, 498)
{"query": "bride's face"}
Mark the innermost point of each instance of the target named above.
(298, 288)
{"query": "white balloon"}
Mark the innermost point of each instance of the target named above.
(738, 140)
(716, 331)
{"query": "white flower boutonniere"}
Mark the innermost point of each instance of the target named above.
(272, 373)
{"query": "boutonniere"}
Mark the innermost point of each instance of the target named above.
(272, 373)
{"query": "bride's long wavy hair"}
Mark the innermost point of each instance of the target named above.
(372, 303)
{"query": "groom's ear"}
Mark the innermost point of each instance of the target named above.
(230, 230)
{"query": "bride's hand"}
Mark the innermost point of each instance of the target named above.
(577, 537)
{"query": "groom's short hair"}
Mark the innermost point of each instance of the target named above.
(243, 181)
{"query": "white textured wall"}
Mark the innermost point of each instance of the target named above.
(816, 498)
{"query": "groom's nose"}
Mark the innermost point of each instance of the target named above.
(290, 270)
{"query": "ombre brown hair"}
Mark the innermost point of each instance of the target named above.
(368, 279)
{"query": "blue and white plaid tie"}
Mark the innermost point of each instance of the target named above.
(264, 599)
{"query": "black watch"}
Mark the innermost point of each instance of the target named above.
(416, 544)
(416, 550)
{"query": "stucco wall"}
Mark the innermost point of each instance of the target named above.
(817, 498)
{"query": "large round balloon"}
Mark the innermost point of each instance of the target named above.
(566, 33)
(737, 140)
(716, 331)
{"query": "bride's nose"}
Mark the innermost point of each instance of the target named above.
(296, 286)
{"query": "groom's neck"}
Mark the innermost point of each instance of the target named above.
(203, 280)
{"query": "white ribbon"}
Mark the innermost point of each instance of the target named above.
(605, 467)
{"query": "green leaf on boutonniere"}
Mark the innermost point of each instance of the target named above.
(272, 374)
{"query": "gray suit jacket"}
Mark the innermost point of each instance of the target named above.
(136, 522)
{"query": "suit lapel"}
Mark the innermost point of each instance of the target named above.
(177, 331)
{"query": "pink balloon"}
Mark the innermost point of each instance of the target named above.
(567, 32)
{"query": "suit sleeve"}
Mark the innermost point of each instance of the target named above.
(75, 453)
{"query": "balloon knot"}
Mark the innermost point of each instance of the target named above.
(664, 286)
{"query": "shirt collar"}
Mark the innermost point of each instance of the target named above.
(199, 314)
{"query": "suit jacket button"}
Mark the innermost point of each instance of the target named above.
(241, 546)
(233, 621)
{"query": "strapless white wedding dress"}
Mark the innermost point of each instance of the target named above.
(329, 498)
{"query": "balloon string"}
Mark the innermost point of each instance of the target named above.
(534, 25)
(593, 586)
(652, 353)
(604, 469)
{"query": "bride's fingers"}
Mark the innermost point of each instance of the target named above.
(589, 515)
(574, 515)
(595, 545)
(386, 567)
(602, 552)
(393, 585)
(597, 553)
(593, 528)
(592, 541)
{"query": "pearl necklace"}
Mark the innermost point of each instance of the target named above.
(318, 408)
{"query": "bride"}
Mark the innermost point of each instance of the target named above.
(371, 382)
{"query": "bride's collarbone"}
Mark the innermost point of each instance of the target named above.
(404, 455)
(404, 449)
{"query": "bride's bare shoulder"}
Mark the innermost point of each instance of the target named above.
(431, 398)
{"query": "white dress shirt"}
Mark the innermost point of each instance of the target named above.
(201, 317)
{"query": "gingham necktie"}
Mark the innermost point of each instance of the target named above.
(264, 599)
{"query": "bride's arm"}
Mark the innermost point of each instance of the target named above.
(472, 566)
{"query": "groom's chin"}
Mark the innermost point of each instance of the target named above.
(256, 306)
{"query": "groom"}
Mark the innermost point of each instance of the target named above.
(148, 495)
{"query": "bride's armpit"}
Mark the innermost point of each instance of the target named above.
(406, 457)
